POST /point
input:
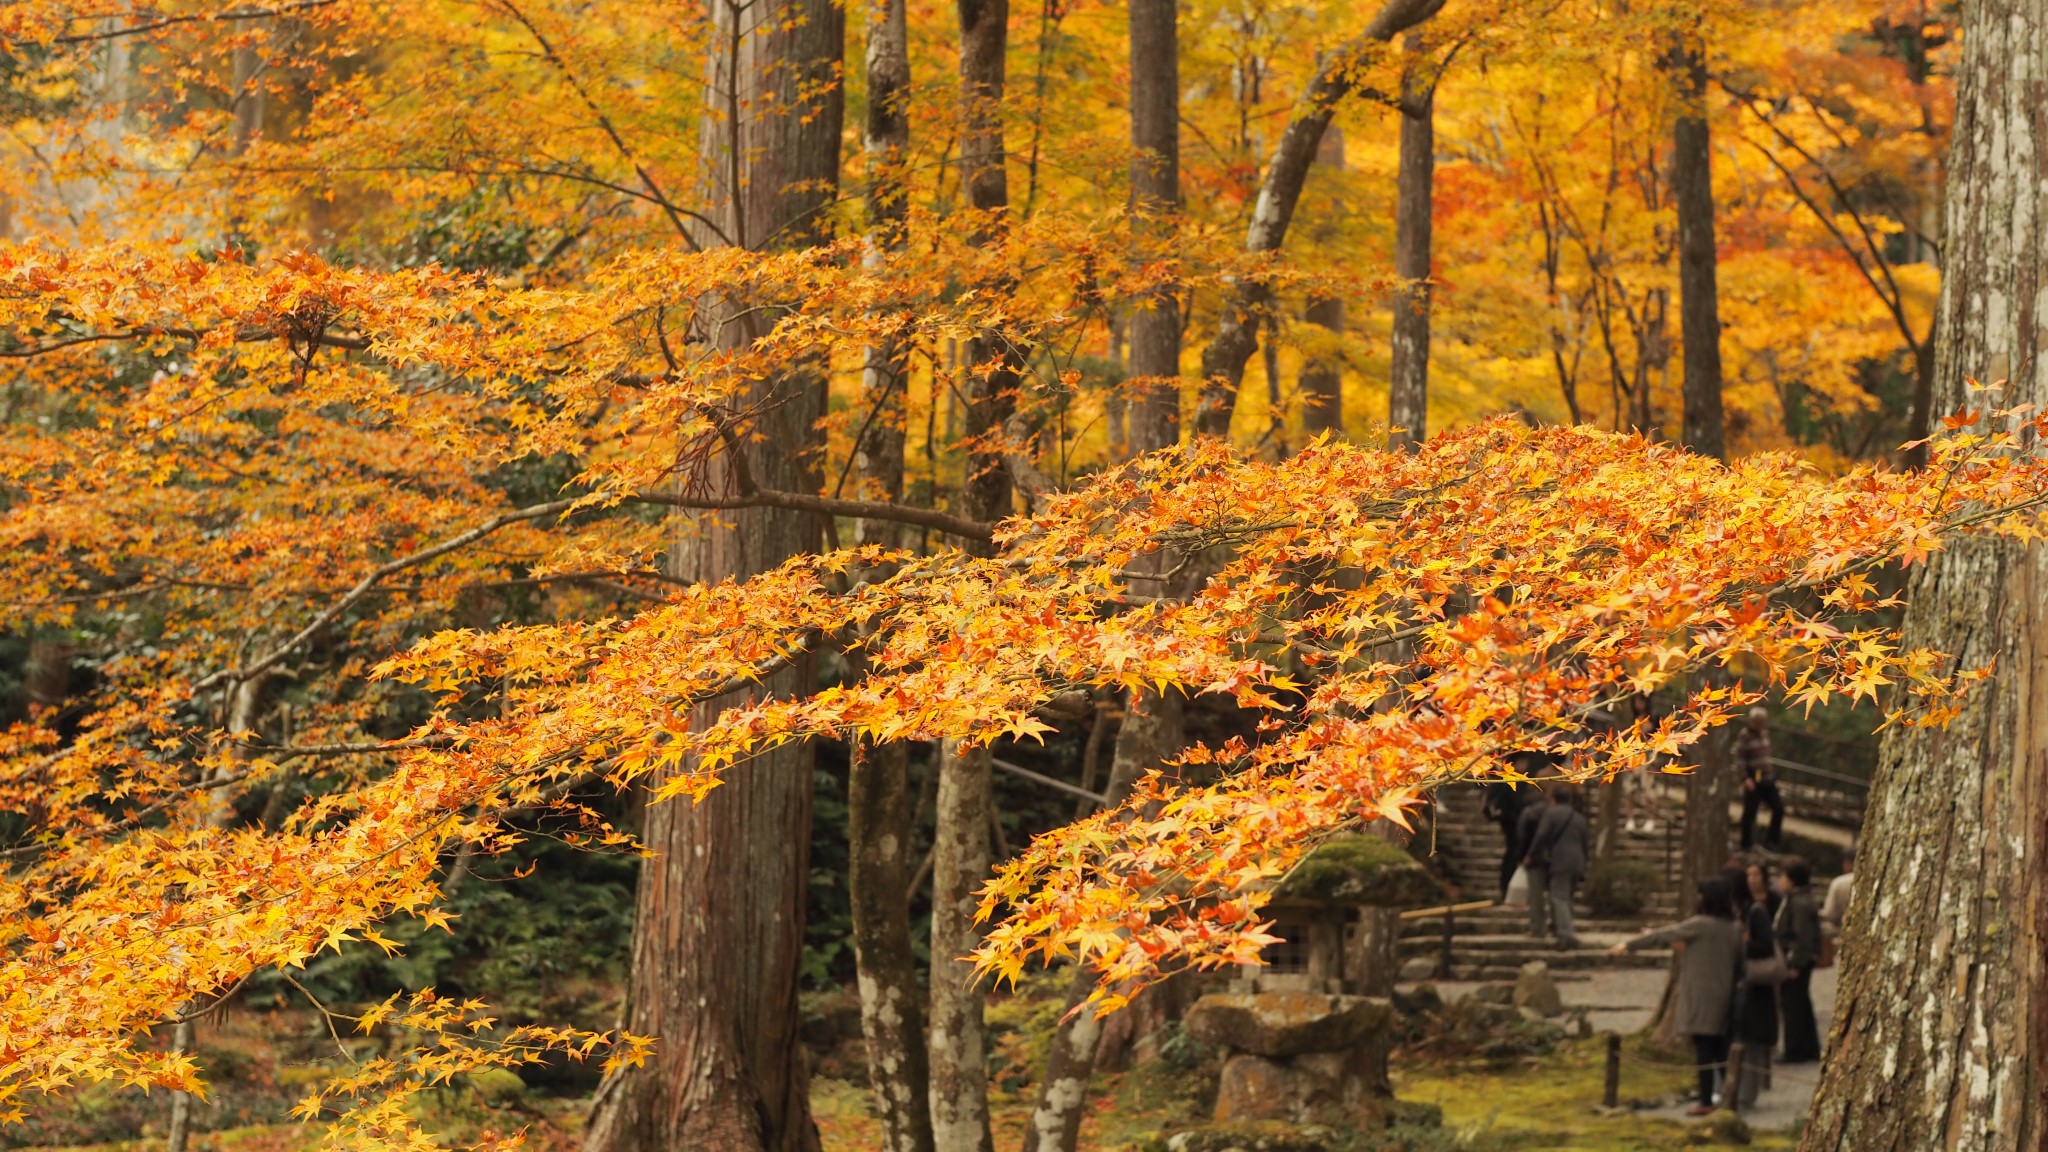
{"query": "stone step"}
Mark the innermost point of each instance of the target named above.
(1517, 942)
(1495, 971)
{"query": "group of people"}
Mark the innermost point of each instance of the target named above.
(1549, 842)
(1745, 970)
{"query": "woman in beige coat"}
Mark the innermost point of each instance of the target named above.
(1709, 963)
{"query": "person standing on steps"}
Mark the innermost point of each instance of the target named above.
(1504, 804)
(1709, 961)
(1557, 857)
(1798, 929)
(1533, 808)
(1759, 780)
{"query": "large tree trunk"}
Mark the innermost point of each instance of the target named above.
(1408, 383)
(1244, 309)
(1154, 730)
(1155, 199)
(718, 930)
(1699, 308)
(1940, 1032)
(878, 799)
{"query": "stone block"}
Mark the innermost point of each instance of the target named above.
(1313, 1088)
(1536, 990)
(1279, 1024)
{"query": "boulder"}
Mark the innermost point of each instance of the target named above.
(1359, 869)
(1536, 991)
(1278, 1024)
(1417, 968)
(1336, 1088)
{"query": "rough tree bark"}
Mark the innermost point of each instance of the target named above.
(1940, 1032)
(1408, 380)
(879, 803)
(1155, 198)
(718, 930)
(1154, 729)
(1699, 308)
(1244, 309)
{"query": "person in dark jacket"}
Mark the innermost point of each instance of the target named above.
(1707, 970)
(1556, 859)
(1756, 1011)
(1525, 834)
(1504, 804)
(1759, 779)
(1798, 928)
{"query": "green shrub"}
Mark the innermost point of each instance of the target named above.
(1622, 887)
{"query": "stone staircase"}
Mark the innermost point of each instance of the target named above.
(1493, 943)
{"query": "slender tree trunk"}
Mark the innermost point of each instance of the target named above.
(1699, 309)
(1244, 309)
(1940, 1030)
(1408, 383)
(1322, 374)
(1154, 414)
(961, 855)
(880, 812)
(891, 1005)
(1154, 730)
(718, 929)
(959, 1040)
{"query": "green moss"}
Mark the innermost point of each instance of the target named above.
(1358, 869)
(1549, 1104)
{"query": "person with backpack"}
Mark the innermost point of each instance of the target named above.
(1558, 852)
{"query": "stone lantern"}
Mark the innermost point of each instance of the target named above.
(1300, 1040)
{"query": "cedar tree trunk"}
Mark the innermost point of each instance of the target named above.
(1321, 380)
(1155, 198)
(1699, 309)
(718, 930)
(1408, 383)
(1940, 1031)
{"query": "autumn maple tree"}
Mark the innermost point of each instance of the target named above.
(433, 414)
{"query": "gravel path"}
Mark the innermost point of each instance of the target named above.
(1623, 999)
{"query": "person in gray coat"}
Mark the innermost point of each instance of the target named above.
(1556, 859)
(1709, 964)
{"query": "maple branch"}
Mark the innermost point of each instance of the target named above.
(1040, 778)
(250, 335)
(829, 506)
(233, 16)
(604, 122)
(368, 583)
